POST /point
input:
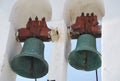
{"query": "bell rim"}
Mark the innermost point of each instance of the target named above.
(42, 60)
(98, 54)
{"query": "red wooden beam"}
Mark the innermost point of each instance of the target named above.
(86, 24)
(34, 28)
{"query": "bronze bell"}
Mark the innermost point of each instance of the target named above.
(30, 62)
(85, 56)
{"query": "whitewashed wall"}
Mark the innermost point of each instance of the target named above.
(8, 48)
(111, 41)
(60, 47)
(3, 37)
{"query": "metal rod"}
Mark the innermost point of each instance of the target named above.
(96, 75)
(35, 79)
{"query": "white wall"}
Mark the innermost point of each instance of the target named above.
(61, 47)
(8, 44)
(3, 37)
(11, 48)
(111, 41)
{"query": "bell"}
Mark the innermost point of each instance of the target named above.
(30, 62)
(85, 56)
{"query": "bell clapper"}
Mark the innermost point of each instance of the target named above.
(85, 60)
(32, 68)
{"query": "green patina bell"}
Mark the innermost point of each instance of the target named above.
(85, 56)
(30, 62)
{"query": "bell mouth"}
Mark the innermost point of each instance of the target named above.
(85, 60)
(29, 67)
